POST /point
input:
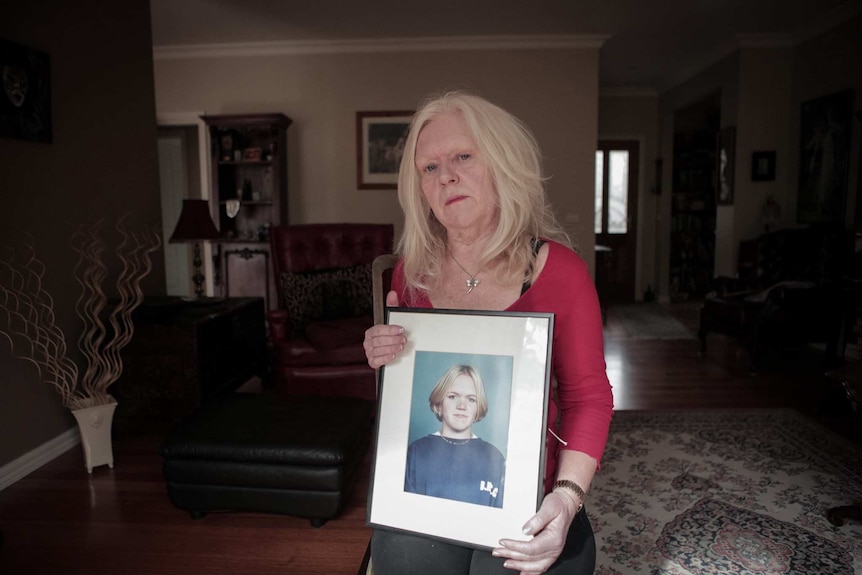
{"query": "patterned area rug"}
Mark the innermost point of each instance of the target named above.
(649, 321)
(716, 492)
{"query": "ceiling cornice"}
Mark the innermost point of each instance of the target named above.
(764, 40)
(307, 47)
(628, 92)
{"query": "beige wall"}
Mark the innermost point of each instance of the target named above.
(624, 116)
(761, 124)
(101, 163)
(555, 92)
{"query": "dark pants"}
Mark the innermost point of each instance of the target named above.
(396, 553)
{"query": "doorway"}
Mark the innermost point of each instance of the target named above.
(617, 164)
(179, 178)
(693, 199)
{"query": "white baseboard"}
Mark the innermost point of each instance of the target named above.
(33, 460)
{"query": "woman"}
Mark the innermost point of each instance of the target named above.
(453, 463)
(479, 234)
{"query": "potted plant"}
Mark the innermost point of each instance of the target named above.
(28, 322)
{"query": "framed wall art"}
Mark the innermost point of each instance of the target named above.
(380, 138)
(460, 443)
(763, 166)
(726, 159)
(824, 158)
(25, 104)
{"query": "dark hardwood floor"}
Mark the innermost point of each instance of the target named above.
(59, 520)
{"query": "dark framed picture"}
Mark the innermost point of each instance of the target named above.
(725, 160)
(460, 443)
(763, 166)
(824, 162)
(25, 104)
(380, 138)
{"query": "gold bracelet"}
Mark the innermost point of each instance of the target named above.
(574, 487)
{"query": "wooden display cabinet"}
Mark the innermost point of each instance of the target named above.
(249, 196)
(693, 213)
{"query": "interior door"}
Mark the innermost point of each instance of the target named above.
(177, 149)
(616, 219)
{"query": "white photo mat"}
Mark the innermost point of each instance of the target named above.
(526, 337)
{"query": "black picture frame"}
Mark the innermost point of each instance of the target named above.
(513, 351)
(824, 158)
(763, 166)
(25, 102)
(380, 140)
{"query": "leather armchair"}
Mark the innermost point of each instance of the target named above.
(323, 273)
(786, 292)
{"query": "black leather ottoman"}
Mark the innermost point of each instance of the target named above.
(272, 453)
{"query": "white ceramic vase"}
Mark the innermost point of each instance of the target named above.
(95, 426)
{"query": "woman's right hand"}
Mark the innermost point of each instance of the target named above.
(382, 342)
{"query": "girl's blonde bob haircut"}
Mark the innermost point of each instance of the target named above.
(438, 394)
(512, 159)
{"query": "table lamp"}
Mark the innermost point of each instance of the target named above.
(195, 225)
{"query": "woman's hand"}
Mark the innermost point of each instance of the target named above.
(551, 526)
(382, 342)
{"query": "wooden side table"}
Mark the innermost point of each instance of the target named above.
(185, 352)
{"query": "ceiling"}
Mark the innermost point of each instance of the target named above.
(647, 44)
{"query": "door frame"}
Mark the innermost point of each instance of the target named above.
(640, 284)
(195, 119)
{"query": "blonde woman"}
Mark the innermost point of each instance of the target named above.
(479, 234)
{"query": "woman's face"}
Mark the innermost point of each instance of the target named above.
(458, 408)
(454, 177)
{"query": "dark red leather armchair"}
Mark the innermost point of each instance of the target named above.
(323, 274)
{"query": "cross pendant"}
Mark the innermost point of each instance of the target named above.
(471, 283)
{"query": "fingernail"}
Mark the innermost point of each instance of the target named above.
(507, 564)
(526, 530)
(502, 543)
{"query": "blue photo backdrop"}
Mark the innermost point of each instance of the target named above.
(496, 372)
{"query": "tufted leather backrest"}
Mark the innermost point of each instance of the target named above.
(817, 253)
(312, 247)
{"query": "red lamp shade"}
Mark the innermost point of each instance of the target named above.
(195, 223)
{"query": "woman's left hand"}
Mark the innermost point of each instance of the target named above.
(550, 526)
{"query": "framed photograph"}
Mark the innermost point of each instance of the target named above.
(762, 166)
(380, 138)
(460, 443)
(725, 160)
(824, 163)
(25, 103)
(251, 155)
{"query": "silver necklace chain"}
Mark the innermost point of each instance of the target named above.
(473, 281)
(449, 441)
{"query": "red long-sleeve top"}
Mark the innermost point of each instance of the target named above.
(580, 411)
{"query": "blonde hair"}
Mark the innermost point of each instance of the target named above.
(438, 394)
(512, 157)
